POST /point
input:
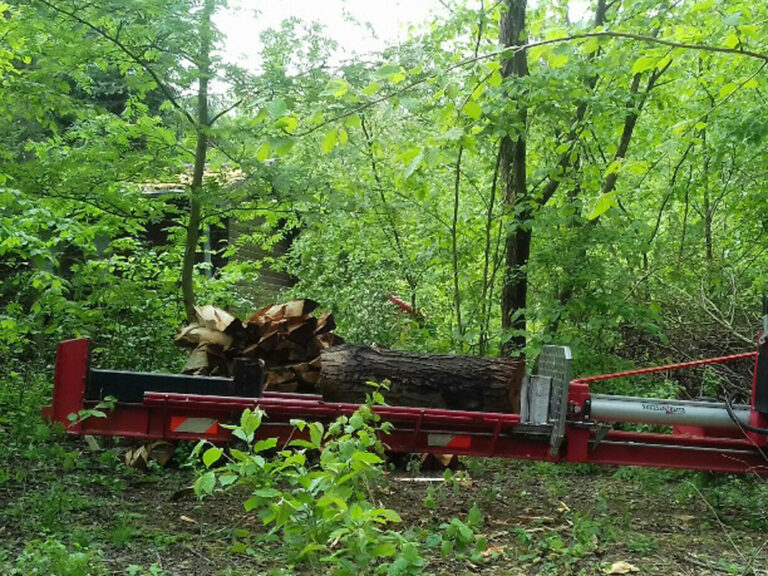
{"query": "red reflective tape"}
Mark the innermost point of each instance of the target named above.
(460, 442)
(186, 425)
(213, 429)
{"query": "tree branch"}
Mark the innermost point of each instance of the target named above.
(164, 88)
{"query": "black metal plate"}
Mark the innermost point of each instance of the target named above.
(761, 379)
(130, 386)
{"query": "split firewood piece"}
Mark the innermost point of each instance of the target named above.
(259, 317)
(436, 462)
(325, 323)
(297, 308)
(238, 331)
(298, 353)
(301, 329)
(288, 386)
(278, 376)
(162, 452)
(268, 342)
(310, 377)
(197, 361)
(214, 318)
(292, 309)
(196, 334)
(313, 348)
(299, 368)
(325, 340)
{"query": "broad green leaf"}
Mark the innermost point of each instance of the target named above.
(383, 549)
(558, 60)
(397, 77)
(310, 549)
(475, 516)
(387, 70)
(591, 45)
(371, 89)
(211, 456)
(262, 154)
(205, 484)
(316, 433)
(603, 204)
(367, 458)
(414, 165)
(330, 140)
(288, 123)
(266, 444)
(557, 33)
(276, 108)
(728, 89)
(339, 88)
(353, 122)
(494, 80)
(387, 515)
(703, 5)
(614, 167)
(731, 40)
(473, 109)
(227, 479)
(643, 63)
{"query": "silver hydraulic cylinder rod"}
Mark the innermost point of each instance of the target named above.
(665, 412)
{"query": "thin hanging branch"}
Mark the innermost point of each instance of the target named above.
(484, 303)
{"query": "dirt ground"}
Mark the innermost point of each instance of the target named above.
(539, 519)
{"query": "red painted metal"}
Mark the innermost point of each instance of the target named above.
(69, 381)
(666, 368)
(757, 419)
(471, 433)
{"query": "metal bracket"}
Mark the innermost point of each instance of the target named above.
(535, 400)
(555, 362)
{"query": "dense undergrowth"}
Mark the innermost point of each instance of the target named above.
(382, 176)
(68, 510)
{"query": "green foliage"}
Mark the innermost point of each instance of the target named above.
(316, 492)
(97, 411)
(46, 557)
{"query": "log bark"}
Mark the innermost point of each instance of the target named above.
(426, 380)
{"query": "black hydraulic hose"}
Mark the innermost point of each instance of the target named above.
(739, 423)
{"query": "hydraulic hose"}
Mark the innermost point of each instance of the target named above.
(748, 427)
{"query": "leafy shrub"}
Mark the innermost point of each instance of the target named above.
(318, 501)
(52, 558)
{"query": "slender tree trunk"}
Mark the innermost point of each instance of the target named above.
(201, 151)
(455, 250)
(707, 201)
(513, 177)
(485, 310)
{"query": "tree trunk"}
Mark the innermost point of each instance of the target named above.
(513, 177)
(201, 151)
(425, 380)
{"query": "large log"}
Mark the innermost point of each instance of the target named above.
(433, 381)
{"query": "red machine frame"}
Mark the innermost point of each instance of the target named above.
(180, 416)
